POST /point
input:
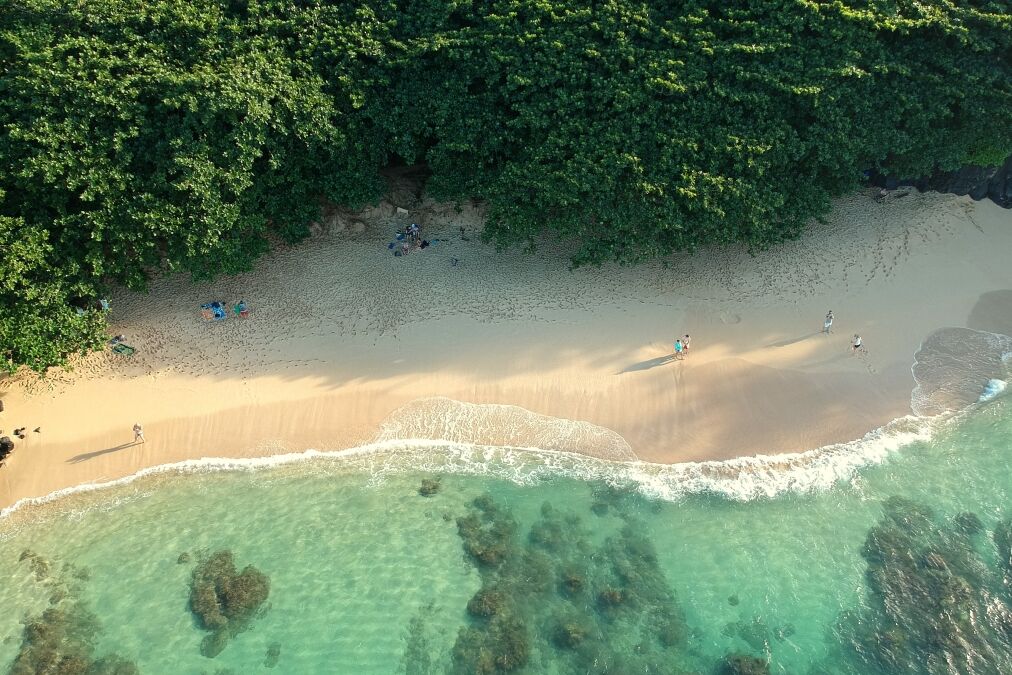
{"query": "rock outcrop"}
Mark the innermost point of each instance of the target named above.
(979, 182)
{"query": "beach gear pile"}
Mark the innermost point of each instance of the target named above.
(213, 311)
(409, 239)
(120, 347)
(218, 311)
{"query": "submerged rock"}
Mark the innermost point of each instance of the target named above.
(488, 533)
(610, 597)
(932, 600)
(487, 602)
(573, 582)
(968, 523)
(273, 655)
(38, 564)
(562, 594)
(60, 640)
(743, 664)
(429, 487)
(224, 600)
(570, 633)
(501, 648)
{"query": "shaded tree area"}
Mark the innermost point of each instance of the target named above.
(188, 136)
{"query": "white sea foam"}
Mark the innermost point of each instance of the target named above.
(992, 389)
(741, 479)
(445, 419)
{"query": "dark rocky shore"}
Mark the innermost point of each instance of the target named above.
(994, 183)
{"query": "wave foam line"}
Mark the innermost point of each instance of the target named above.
(741, 479)
(202, 465)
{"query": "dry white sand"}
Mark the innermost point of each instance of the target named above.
(343, 334)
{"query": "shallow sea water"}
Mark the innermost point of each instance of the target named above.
(369, 576)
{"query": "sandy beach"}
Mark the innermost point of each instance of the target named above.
(347, 344)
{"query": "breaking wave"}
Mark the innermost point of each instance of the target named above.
(993, 389)
(741, 479)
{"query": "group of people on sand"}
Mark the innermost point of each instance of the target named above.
(682, 347)
(856, 343)
(412, 240)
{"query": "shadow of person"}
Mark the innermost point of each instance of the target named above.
(76, 459)
(791, 341)
(648, 364)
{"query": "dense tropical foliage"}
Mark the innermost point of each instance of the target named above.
(189, 134)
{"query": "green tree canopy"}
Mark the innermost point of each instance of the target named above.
(170, 135)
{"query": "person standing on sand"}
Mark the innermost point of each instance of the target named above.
(138, 433)
(685, 344)
(827, 326)
(856, 344)
(678, 349)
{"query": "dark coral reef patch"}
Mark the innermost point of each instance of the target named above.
(225, 600)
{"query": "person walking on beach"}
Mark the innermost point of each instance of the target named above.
(685, 344)
(827, 326)
(679, 347)
(856, 344)
(138, 433)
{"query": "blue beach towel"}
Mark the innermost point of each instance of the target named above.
(216, 309)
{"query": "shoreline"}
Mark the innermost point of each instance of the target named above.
(343, 334)
(737, 479)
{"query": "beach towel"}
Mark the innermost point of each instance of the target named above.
(213, 311)
(125, 350)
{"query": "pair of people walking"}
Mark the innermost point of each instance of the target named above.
(682, 347)
(856, 345)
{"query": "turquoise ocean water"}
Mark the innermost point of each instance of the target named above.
(537, 563)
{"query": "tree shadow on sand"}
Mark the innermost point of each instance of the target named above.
(76, 459)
